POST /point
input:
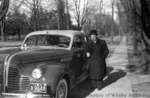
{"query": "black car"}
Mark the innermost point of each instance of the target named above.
(48, 64)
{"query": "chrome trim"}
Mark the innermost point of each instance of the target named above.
(25, 95)
(71, 36)
(7, 67)
(4, 72)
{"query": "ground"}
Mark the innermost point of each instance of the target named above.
(120, 82)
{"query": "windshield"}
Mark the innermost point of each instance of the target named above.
(48, 40)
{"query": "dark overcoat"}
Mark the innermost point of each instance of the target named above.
(97, 64)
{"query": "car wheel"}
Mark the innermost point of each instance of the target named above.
(62, 89)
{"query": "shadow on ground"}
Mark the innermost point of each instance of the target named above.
(143, 69)
(113, 77)
(85, 88)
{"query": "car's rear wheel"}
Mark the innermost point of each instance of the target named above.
(62, 89)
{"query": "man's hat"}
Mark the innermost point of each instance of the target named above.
(93, 32)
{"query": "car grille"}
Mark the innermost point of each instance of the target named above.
(1, 71)
(16, 82)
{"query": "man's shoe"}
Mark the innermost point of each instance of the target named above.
(99, 88)
(99, 85)
(92, 87)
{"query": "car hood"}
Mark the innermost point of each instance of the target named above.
(32, 56)
(27, 60)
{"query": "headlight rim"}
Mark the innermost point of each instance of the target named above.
(34, 73)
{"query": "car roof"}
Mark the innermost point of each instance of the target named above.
(56, 32)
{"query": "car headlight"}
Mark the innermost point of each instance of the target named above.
(37, 73)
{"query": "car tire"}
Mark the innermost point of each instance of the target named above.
(62, 89)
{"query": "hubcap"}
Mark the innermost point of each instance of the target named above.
(62, 89)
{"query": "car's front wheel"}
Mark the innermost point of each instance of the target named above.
(62, 89)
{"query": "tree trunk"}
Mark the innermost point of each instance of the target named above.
(135, 47)
(146, 24)
(3, 11)
(112, 27)
(2, 30)
(61, 14)
(145, 18)
(67, 15)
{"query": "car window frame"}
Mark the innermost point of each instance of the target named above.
(37, 37)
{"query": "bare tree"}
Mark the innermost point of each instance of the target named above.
(15, 5)
(133, 12)
(80, 12)
(138, 13)
(67, 15)
(145, 20)
(35, 7)
(113, 12)
(123, 23)
(3, 11)
(61, 13)
(101, 6)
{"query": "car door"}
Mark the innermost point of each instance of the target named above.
(78, 60)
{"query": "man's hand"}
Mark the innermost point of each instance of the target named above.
(88, 54)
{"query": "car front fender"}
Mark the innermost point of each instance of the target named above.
(52, 74)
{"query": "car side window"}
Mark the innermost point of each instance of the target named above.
(78, 41)
(64, 41)
(60, 41)
(31, 41)
(41, 40)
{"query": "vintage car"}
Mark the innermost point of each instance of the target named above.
(47, 64)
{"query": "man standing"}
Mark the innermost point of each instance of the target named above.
(97, 52)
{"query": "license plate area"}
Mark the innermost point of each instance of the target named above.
(38, 87)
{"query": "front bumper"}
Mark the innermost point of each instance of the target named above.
(25, 95)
